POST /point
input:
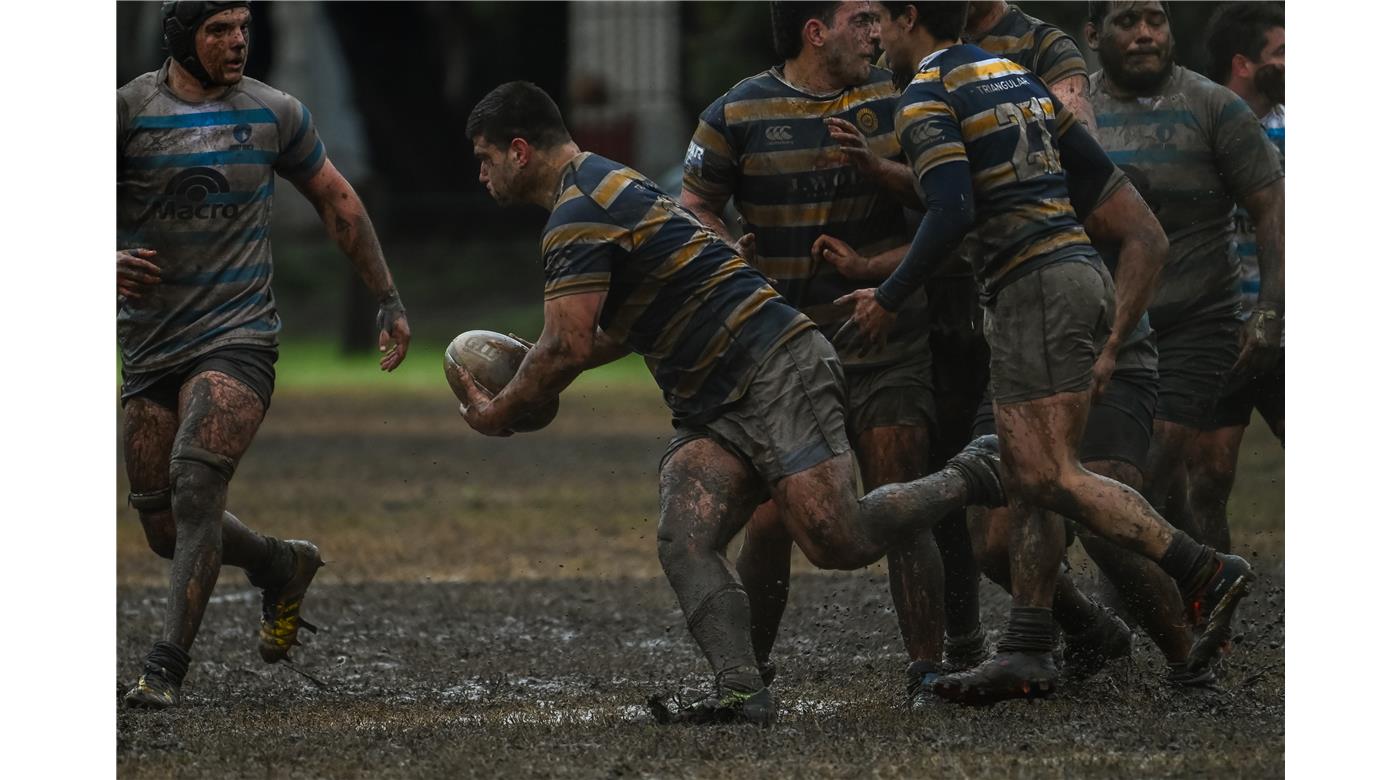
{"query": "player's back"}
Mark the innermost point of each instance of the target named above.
(676, 293)
(1038, 46)
(965, 104)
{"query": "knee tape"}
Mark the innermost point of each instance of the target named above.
(158, 501)
(703, 607)
(221, 464)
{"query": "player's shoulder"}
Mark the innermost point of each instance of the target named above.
(1205, 97)
(759, 86)
(579, 187)
(140, 89)
(280, 102)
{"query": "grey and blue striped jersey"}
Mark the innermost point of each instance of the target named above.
(195, 183)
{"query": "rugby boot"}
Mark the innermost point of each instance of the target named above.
(979, 463)
(1179, 675)
(965, 651)
(719, 708)
(920, 677)
(1087, 652)
(281, 612)
(768, 671)
(1212, 607)
(1007, 675)
(155, 690)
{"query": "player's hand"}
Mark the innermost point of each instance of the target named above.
(136, 274)
(1103, 371)
(479, 412)
(852, 142)
(745, 245)
(840, 254)
(1261, 341)
(873, 321)
(394, 333)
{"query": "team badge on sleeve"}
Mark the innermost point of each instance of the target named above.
(867, 121)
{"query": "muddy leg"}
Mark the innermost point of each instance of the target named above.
(218, 418)
(990, 528)
(765, 567)
(707, 495)
(892, 454)
(1166, 479)
(1148, 595)
(1212, 473)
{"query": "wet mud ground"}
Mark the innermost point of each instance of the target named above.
(495, 608)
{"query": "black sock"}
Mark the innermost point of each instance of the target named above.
(173, 661)
(276, 566)
(1188, 562)
(1030, 630)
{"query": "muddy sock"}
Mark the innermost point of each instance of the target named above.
(173, 661)
(1188, 562)
(276, 565)
(720, 625)
(1030, 630)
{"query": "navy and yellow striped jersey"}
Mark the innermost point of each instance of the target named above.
(676, 293)
(965, 105)
(1039, 47)
(764, 143)
(1193, 151)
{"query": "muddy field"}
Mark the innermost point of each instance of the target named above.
(495, 608)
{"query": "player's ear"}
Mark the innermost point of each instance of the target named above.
(1241, 67)
(1091, 35)
(814, 32)
(520, 152)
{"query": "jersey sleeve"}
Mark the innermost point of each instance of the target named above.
(581, 247)
(929, 131)
(123, 118)
(1059, 58)
(1247, 160)
(711, 166)
(300, 152)
(1089, 173)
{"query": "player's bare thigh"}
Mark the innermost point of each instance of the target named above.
(148, 433)
(1040, 440)
(819, 508)
(892, 453)
(219, 414)
(707, 494)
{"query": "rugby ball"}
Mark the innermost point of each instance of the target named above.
(492, 359)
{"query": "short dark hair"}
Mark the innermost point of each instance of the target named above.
(943, 20)
(1239, 28)
(518, 109)
(1099, 9)
(790, 17)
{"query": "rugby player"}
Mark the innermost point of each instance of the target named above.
(757, 393)
(980, 129)
(1120, 422)
(1194, 150)
(197, 146)
(772, 144)
(1245, 43)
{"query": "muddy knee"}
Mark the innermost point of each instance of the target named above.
(199, 481)
(156, 520)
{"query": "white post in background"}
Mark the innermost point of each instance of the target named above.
(634, 51)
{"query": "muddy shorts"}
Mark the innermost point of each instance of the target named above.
(1045, 328)
(960, 362)
(1263, 392)
(253, 366)
(1120, 423)
(898, 394)
(792, 418)
(1194, 360)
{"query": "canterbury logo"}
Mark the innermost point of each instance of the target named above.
(924, 133)
(778, 133)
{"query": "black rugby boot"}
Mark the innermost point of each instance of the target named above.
(1213, 606)
(1010, 674)
(1087, 652)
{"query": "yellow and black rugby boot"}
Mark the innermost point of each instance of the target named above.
(161, 675)
(281, 613)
